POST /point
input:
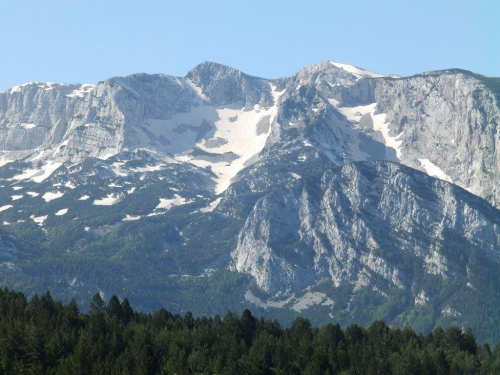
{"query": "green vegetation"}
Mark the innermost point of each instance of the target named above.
(179, 260)
(42, 336)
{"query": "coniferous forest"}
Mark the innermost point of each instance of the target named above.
(43, 336)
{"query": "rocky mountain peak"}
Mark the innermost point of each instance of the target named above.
(224, 85)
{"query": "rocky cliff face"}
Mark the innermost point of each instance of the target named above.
(441, 122)
(447, 125)
(342, 224)
(335, 192)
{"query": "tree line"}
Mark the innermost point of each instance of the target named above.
(43, 336)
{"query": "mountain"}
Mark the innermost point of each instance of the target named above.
(337, 193)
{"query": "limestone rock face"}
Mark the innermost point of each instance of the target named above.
(341, 226)
(84, 121)
(449, 119)
(443, 123)
(224, 85)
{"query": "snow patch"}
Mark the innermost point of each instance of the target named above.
(59, 148)
(433, 170)
(334, 102)
(244, 132)
(28, 173)
(38, 175)
(81, 91)
(167, 204)
(6, 207)
(358, 72)
(5, 161)
(19, 87)
(39, 220)
(83, 198)
(38, 156)
(109, 200)
(131, 218)
(117, 169)
(211, 206)
(64, 211)
(51, 196)
(106, 156)
(354, 114)
(197, 90)
(379, 124)
(16, 197)
(148, 168)
(47, 86)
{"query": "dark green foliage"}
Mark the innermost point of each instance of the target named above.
(47, 337)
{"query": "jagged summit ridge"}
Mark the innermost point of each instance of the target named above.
(354, 108)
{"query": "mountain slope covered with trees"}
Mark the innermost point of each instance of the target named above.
(43, 336)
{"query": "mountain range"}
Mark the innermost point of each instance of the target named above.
(337, 194)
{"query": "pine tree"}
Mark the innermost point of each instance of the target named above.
(114, 309)
(128, 313)
(97, 305)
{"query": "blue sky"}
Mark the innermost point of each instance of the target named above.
(86, 40)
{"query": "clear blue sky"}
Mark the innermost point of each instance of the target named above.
(89, 40)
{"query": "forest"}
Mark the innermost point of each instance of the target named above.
(44, 336)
